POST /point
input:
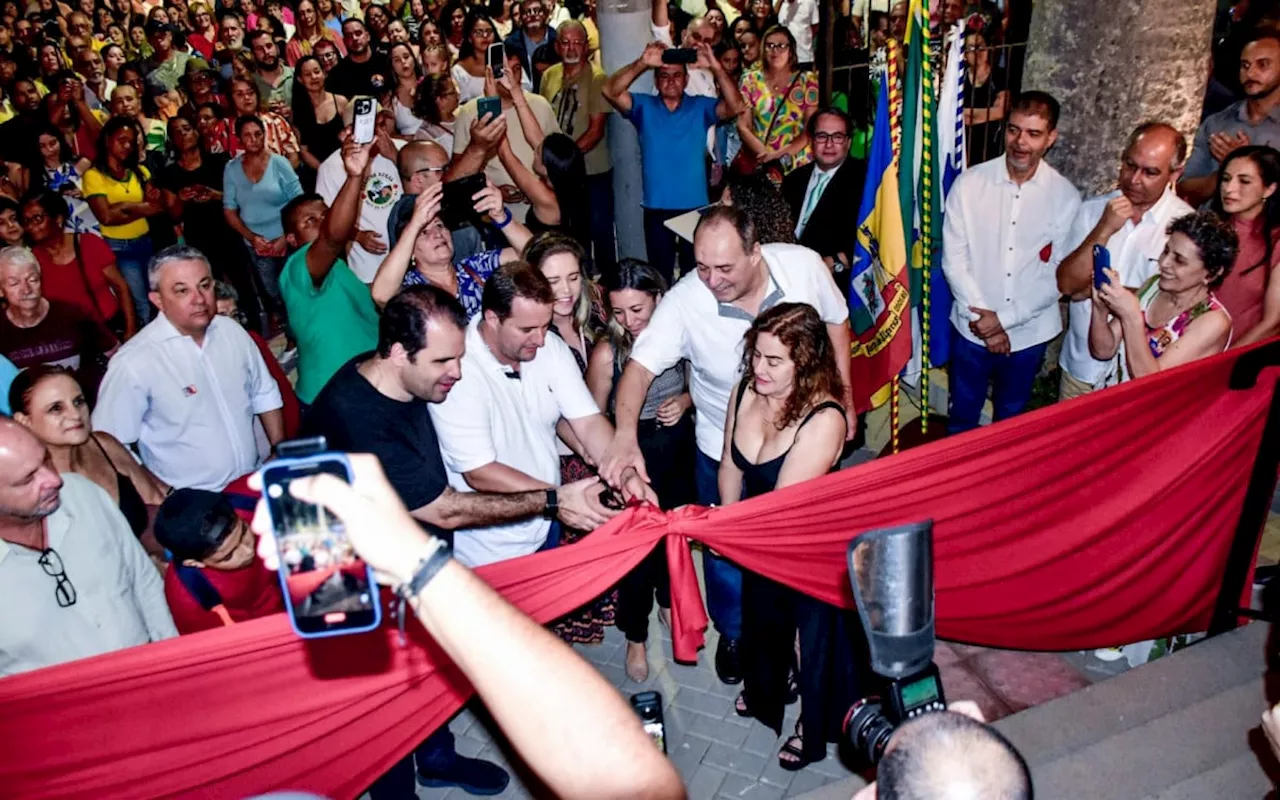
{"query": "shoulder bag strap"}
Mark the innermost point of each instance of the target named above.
(84, 276)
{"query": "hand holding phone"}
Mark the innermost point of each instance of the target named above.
(489, 105)
(679, 55)
(496, 58)
(366, 118)
(1101, 263)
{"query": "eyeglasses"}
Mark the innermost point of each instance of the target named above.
(431, 169)
(35, 219)
(823, 137)
(774, 46)
(51, 563)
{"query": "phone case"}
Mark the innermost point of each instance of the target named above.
(282, 571)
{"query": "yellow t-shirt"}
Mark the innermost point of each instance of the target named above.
(100, 184)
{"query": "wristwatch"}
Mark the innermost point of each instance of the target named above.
(552, 507)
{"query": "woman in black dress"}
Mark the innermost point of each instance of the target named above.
(785, 427)
(317, 114)
(986, 101)
(192, 187)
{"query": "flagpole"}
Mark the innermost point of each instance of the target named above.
(928, 107)
(893, 86)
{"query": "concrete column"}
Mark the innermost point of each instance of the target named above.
(624, 32)
(1114, 65)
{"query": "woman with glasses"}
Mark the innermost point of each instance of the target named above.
(317, 113)
(311, 30)
(327, 53)
(246, 100)
(423, 251)
(435, 105)
(779, 99)
(203, 31)
(49, 401)
(477, 34)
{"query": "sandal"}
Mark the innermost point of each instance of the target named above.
(740, 706)
(794, 746)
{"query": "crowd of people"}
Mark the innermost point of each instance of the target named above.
(185, 193)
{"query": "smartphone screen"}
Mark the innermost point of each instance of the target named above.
(327, 589)
(648, 705)
(366, 119)
(679, 55)
(1101, 261)
(496, 55)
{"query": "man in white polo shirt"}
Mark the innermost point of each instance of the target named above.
(703, 319)
(497, 428)
(187, 388)
(1132, 223)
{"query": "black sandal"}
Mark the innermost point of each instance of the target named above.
(794, 746)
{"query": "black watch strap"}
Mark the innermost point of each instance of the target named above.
(552, 507)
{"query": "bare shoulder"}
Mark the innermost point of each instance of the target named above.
(115, 451)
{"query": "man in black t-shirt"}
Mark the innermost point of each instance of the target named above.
(363, 71)
(377, 403)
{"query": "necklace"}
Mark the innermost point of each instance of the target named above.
(1177, 309)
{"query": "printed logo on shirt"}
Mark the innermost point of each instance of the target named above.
(1046, 252)
(189, 390)
(381, 191)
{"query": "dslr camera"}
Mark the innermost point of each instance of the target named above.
(891, 571)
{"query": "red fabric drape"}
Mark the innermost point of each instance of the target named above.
(1100, 521)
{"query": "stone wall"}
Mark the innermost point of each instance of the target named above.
(1114, 64)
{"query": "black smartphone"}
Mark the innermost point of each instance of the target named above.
(491, 106)
(497, 58)
(611, 499)
(1101, 262)
(679, 55)
(456, 206)
(328, 590)
(649, 706)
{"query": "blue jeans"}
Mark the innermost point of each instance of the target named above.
(973, 367)
(604, 247)
(132, 256)
(553, 537)
(723, 577)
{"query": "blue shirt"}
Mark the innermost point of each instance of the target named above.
(672, 144)
(260, 203)
(7, 373)
(472, 273)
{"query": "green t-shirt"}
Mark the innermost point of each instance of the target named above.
(333, 322)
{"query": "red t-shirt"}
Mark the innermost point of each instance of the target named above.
(246, 593)
(67, 282)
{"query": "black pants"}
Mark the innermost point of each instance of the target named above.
(400, 782)
(668, 454)
(663, 245)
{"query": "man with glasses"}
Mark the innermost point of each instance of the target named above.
(822, 192)
(533, 33)
(76, 581)
(422, 165)
(330, 312)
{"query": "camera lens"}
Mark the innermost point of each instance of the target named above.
(867, 729)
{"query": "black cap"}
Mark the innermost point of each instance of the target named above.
(192, 523)
(155, 26)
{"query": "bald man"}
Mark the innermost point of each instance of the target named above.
(949, 756)
(701, 82)
(422, 165)
(76, 581)
(1131, 222)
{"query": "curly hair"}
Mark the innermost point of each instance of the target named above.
(1214, 237)
(764, 204)
(804, 334)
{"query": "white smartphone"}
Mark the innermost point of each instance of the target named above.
(366, 120)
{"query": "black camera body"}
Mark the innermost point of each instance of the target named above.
(891, 572)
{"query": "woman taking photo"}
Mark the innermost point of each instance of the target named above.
(406, 73)
(477, 34)
(779, 101)
(311, 29)
(78, 270)
(785, 427)
(122, 196)
(423, 252)
(317, 114)
(49, 402)
(1247, 183)
(665, 436)
(256, 187)
(1174, 317)
(436, 104)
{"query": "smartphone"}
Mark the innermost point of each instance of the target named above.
(496, 57)
(679, 55)
(366, 120)
(611, 499)
(489, 105)
(649, 706)
(456, 206)
(1101, 261)
(328, 590)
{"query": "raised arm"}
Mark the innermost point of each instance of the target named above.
(730, 104)
(488, 201)
(1075, 273)
(390, 276)
(541, 196)
(617, 88)
(485, 134)
(340, 222)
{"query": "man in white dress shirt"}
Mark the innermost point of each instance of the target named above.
(187, 388)
(1132, 222)
(703, 319)
(497, 427)
(76, 581)
(1004, 231)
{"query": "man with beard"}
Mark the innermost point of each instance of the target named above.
(1002, 273)
(274, 79)
(93, 69)
(362, 72)
(230, 42)
(77, 583)
(1253, 120)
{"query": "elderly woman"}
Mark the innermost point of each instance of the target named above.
(35, 330)
(423, 252)
(48, 400)
(1174, 317)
